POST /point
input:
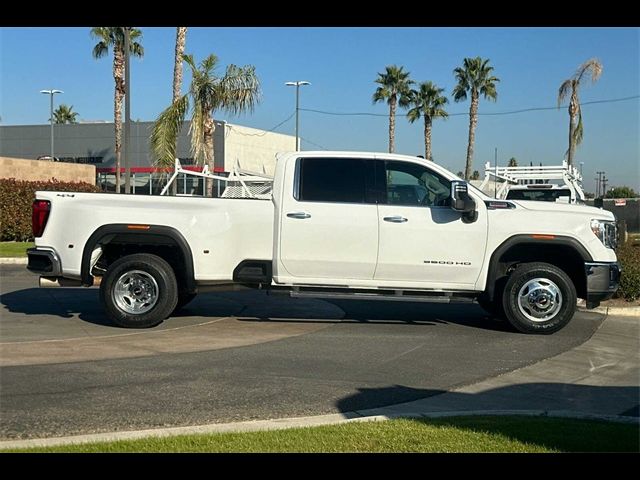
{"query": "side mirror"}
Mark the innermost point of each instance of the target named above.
(462, 202)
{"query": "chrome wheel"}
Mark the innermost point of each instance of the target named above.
(539, 300)
(135, 292)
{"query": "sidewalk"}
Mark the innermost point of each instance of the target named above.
(599, 379)
(13, 260)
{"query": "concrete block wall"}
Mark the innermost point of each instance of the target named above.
(32, 170)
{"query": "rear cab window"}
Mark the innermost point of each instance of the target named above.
(335, 180)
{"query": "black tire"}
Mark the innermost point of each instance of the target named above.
(554, 285)
(183, 299)
(152, 268)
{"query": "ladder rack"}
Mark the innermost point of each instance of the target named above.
(510, 176)
(239, 184)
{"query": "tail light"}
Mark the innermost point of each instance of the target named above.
(39, 216)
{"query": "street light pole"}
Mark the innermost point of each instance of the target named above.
(297, 85)
(51, 93)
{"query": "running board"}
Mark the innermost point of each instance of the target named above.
(382, 296)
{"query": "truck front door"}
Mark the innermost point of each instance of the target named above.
(421, 238)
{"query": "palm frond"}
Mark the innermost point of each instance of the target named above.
(459, 93)
(564, 90)
(135, 46)
(414, 114)
(188, 59)
(166, 130)
(579, 131)
(208, 64)
(239, 90)
(100, 50)
(381, 94)
(591, 67)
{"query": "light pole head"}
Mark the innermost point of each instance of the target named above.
(297, 84)
(51, 92)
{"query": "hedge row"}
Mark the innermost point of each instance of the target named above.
(16, 197)
(629, 257)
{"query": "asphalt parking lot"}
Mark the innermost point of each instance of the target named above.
(239, 356)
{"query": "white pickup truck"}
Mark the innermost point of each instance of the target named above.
(339, 225)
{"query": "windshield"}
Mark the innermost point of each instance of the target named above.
(560, 195)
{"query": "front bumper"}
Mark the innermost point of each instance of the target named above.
(44, 262)
(602, 281)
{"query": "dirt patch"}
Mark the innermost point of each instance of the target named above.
(620, 302)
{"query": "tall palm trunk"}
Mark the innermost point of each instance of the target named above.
(209, 128)
(473, 122)
(181, 35)
(118, 75)
(427, 137)
(573, 113)
(392, 124)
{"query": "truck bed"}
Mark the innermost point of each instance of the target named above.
(220, 231)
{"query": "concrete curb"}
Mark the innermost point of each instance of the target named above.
(13, 260)
(295, 422)
(631, 311)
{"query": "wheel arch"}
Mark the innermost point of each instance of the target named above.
(566, 253)
(143, 239)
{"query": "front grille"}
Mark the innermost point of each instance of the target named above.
(611, 235)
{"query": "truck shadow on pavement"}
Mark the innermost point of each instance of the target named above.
(606, 400)
(542, 397)
(256, 306)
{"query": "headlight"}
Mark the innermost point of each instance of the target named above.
(606, 231)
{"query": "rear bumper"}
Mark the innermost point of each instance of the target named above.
(602, 281)
(44, 262)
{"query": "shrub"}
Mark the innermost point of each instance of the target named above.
(16, 197)
(629, 257)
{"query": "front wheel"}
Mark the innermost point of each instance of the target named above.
(539, 298)
(139, 291)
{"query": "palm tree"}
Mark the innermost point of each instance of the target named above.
(181, 38)
(114, 37)
(592, 68)
(237, 91)
(475, 77)
(395, 88)
(64, 114)
(428, 102)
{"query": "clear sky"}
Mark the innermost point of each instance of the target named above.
(342, 63)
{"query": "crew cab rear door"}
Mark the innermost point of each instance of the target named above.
(327, 221)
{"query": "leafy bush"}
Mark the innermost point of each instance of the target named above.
(629, 257)
(16, 197)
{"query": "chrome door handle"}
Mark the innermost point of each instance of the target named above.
(396, 219)
(298, 215)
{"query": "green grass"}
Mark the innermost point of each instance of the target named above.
(14, 249)
(460, 434)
